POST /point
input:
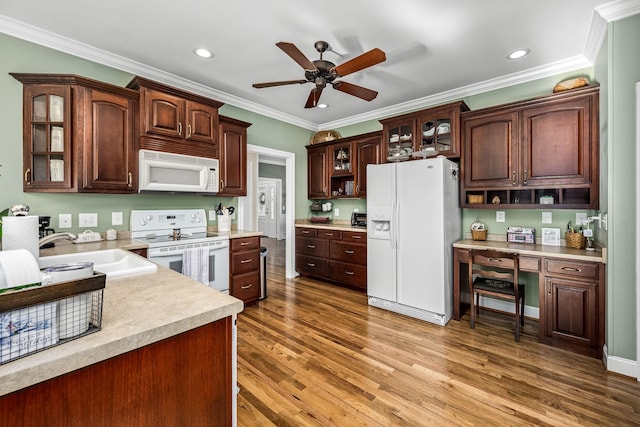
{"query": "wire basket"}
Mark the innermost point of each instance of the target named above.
(574, 240)
(37, 318)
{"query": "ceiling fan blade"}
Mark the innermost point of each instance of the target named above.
(314, 96)
(355, 90)
(282, 83)
(367, 59)
(295, 54)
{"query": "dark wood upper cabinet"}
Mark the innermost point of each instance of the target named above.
(233, 157)
(543, 151)
(338, 169)
(176, 121)
(78, 135)
(317, 172)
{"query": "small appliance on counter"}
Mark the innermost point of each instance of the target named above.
(521, 235)
(358, 219)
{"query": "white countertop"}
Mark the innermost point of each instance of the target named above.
(137, 311)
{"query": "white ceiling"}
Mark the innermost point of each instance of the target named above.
(437, 50)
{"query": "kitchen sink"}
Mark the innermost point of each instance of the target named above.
(112, 262)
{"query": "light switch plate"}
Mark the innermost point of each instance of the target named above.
(500, 216)
(336, 212)
(88, 220)
(116, 218)
(64, 221)
(547, 218)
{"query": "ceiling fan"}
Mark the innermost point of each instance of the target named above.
(322, 72)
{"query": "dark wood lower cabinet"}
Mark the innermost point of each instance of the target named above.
(333, 255)
(183, 380)
(244, 268)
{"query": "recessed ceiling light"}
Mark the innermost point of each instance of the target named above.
(517, 54)
(323, 105)
(202, 52)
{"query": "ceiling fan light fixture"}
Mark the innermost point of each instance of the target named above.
(518, 53)
(203, 52)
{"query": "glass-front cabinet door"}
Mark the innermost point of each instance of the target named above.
(398, 138)
(46, 152)
(342, 159)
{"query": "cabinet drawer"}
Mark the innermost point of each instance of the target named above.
(529, 264)
(312, 265)
(572, 268)
(354, 236)
(329, 234)
(245, 243)
(313, 247)
(246, 286)
(244, 262)
(350, 274)
(306, 232)
(348, 252)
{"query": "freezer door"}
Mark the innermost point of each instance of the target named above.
(381, 264)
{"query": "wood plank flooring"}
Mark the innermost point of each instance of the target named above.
(313, 354)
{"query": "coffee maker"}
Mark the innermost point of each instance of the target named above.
(44, 230)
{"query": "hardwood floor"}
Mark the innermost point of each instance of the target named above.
(313, 354)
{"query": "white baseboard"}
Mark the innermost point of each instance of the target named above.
(619, 365)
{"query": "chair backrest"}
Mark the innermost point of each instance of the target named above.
(496, 265)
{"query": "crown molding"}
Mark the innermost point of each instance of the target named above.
(57, 42)
(620, 9)
(548, 70)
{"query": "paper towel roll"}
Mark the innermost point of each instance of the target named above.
(21, 232)
(18, 267)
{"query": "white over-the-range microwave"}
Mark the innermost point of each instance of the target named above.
(177, 173)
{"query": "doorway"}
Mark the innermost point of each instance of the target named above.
(247, 206)
(270, 207)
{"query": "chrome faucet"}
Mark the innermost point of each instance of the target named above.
(56, 236)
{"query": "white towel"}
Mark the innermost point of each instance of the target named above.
(195, 264)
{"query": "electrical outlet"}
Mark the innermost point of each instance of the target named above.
(64, 221)
(336, 212)
(88, 220)
(212, 215)
(499, 216)
(547, 217)
(356, 210)
(116, 218)
(581, 218)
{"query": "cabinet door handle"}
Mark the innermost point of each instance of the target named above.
(356, 237)
(27, 174)
(247, 287)
(189, 130)
(577, 270)
(494, 259)
(348, 251)
(350, 273)
(130, 183)
(306, 232)
(525, 177)
(245, 261)
(328, 234)
(311, 246)
(221, 184)
(179, 128)
(310, 264)
(245, 243)
(513, 178)
(357, 187)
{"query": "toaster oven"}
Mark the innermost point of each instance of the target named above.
(358, 219)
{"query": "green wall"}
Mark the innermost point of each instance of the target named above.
(21, 56)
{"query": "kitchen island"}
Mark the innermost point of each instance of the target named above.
(162, 357)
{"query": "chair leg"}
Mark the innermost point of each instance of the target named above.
(522, 312)
(517, 325)
(473, 309)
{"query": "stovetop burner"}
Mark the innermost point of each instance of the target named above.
(171, 227)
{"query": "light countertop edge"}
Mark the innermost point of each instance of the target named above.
(137, 311)
(342, 226)
(563, 252)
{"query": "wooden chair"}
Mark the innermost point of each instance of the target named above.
(495, 279)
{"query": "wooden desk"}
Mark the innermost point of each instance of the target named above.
(571, 284)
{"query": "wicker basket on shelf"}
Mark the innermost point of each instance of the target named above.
(574, 240)
(475, 199)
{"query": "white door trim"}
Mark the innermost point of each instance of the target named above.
(290, 173)
(638, 230)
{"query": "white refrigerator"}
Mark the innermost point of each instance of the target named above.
(413, 218)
